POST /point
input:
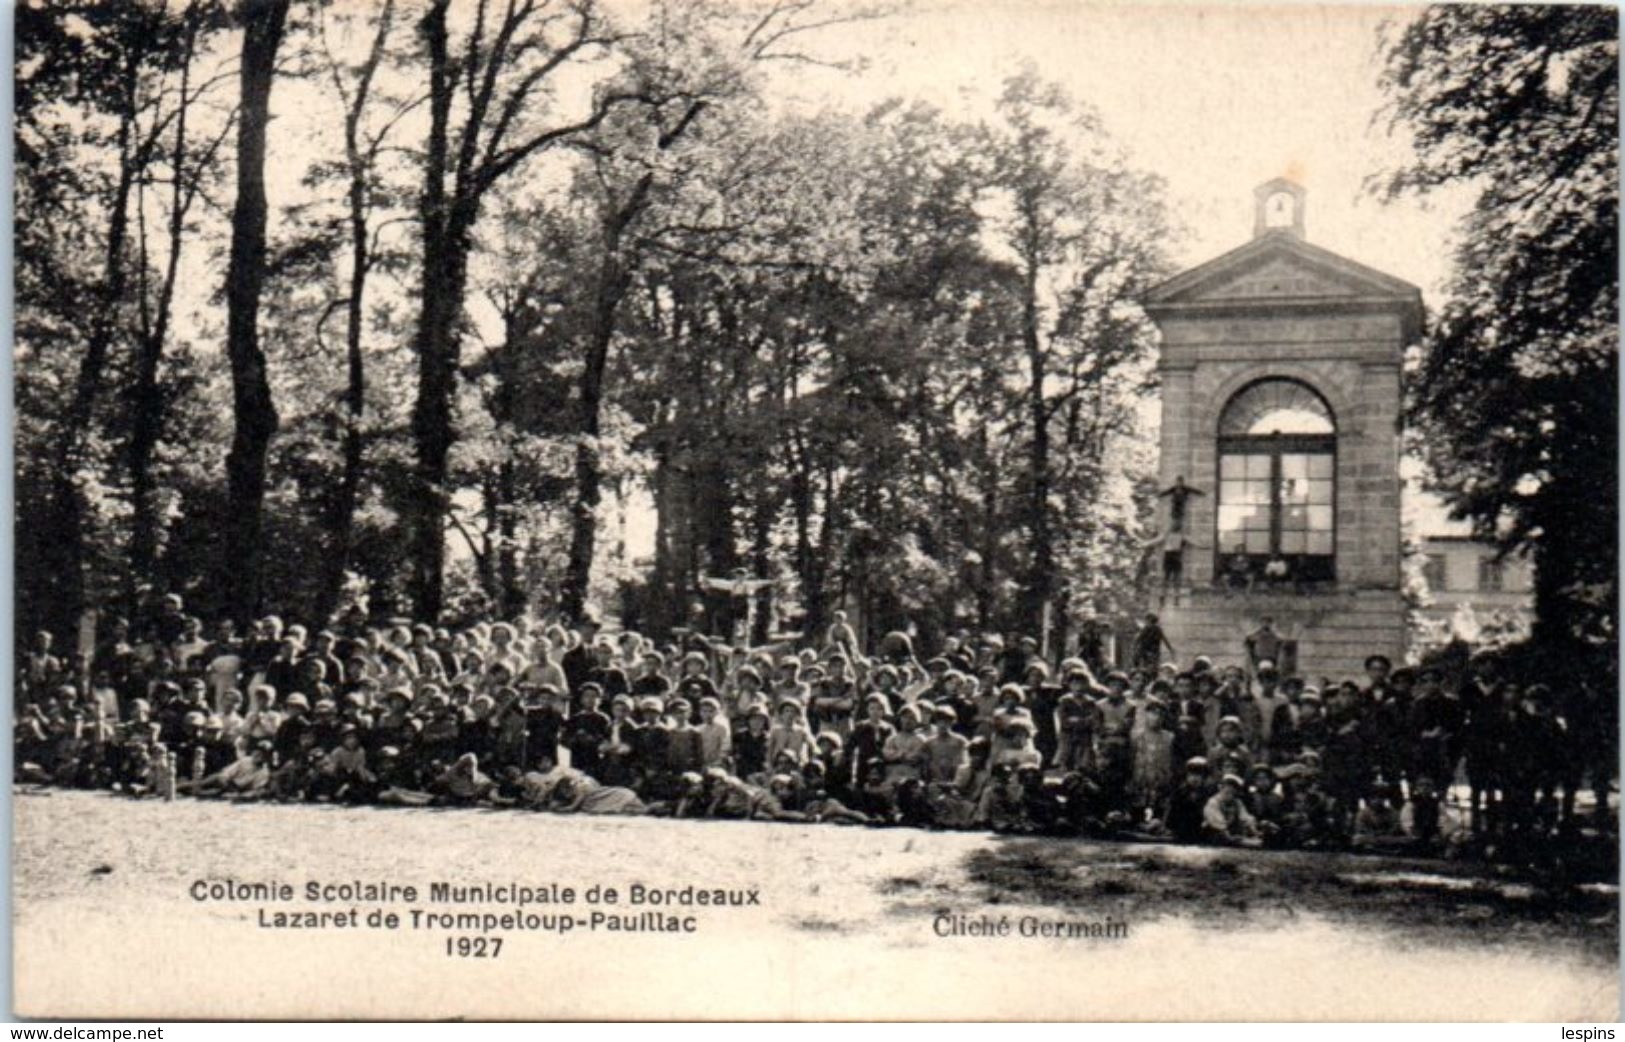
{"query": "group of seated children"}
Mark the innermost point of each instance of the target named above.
(980, 736)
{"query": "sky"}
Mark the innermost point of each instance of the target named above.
(1214, 98)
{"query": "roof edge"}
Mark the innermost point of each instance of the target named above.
(1271, 242)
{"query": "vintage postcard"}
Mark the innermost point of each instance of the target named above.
(815, 510)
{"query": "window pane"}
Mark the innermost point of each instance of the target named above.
(1258, 542)
(1292, 542)
(1294, 490)
(1294, 465)
(1236, 518)
(1232, 466)
(1276, 405)
(1320, 466)
(1231, 492)
(1320, 519)
(1295, 518)
(1258, 466)
(1320, 543)
(1320, 493)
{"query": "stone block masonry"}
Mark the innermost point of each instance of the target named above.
(1281, 309)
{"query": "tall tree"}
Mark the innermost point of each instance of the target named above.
(1514, 395)
(363, 145)
(623, 202)
(254, 412)
(483, 96)
(112, 67)
(695, 59)
(1084, 234)
(191, 161)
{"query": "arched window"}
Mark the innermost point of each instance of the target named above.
(1277, 485)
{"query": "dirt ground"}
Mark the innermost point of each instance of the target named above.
(851, 923)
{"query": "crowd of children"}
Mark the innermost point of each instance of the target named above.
(984, 734)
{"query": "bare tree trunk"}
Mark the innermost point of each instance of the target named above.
(443, 278)
(1041, 576)
(359, 163)
(254, 411)
(665, 585)
(762, 562)
(818, 594)
(801, 505)
(987, 583)
(512, 596)
(445, 267)
(147, 399)
(485, 558)
(612, 282)
(341, 519)
(147, 407)
(614, 278)
(715, 536)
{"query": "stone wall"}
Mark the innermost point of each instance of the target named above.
(1353, 362)
(1334, 629)
(1350, 354)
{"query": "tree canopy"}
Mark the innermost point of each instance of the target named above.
(1513, 397)
(512, 275)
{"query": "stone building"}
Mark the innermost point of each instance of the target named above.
(1473, 593)
(1280, 371)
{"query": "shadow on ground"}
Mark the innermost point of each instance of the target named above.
(1428, 901)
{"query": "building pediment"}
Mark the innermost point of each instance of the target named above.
(1280, 276)
(1279, 268)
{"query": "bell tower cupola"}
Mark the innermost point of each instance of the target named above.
(1278, 208)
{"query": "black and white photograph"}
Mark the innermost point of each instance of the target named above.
(814, 510)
